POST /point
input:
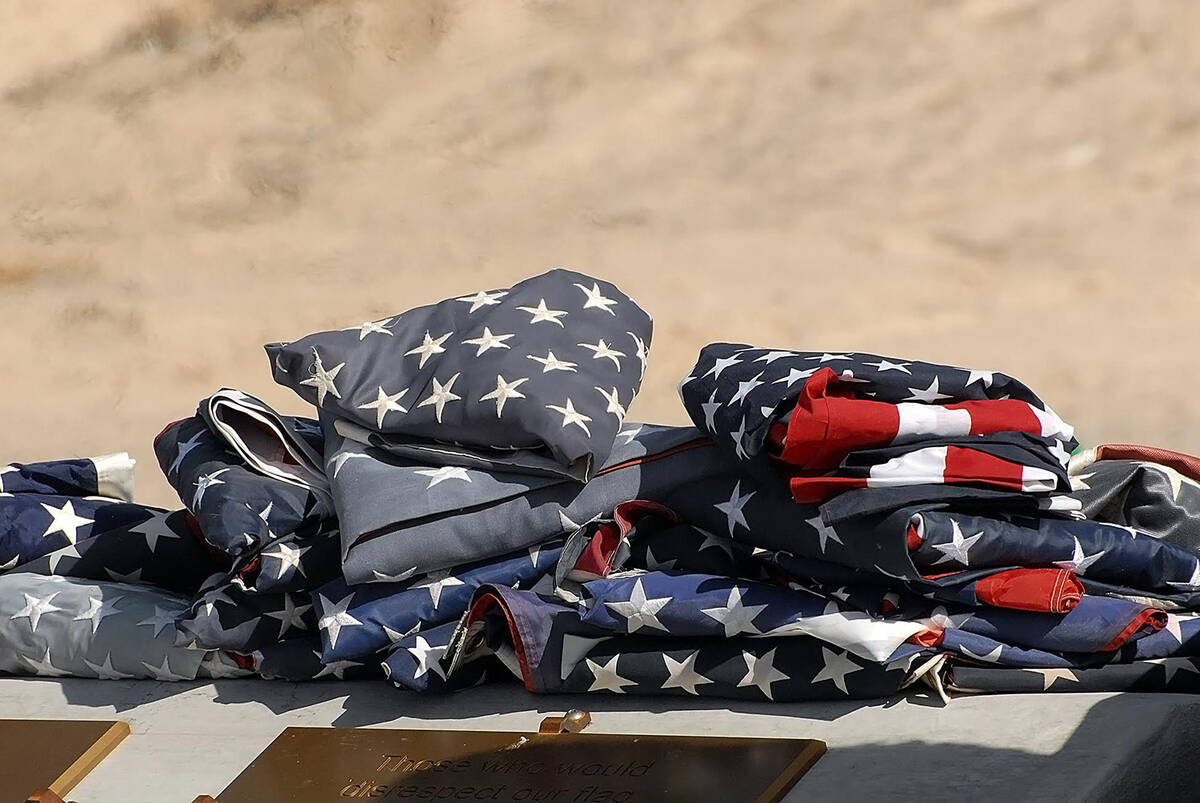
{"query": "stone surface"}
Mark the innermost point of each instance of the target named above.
(194, 738)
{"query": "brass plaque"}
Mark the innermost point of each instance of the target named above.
(52, 754)
(335, 764)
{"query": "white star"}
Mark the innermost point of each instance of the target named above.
(630, 434)
(772, 356)
(45, 667)
(761, 672)
(638, 611)
(34, 608)
(504, 391)
(369, 328)
(1051, 675)
(1176, 479)
(733, 508)
(719, 365)
(205, 482)
(836, 668)
(1192, 583)
(428, 657)
(929, 394)
(436, 582)
(63, 520)
(739, 438)
(161, 620)
(614, 403)
(710, 408)
(683, 674)
(654, 564)
(288, 557)
(988, 657)
(886, 365)
(745, 387)
(487, 340)
(1172, 665)
(336, 668)
(380, 577)
(133, 577)
(440, 475)
(958, 549)
(542, 313)
(827, 357)
(291, 616)
(736, 617)
(601, 351)
(986, 377)
(98, 610)
(794, 376)
(428, 348)
(13, 563)
(337, 617)
(153, 529)
(571, 416)
(163, 671)
(596, 299)
(440, 395)
(323, 380)
(340, 460)
(605, 676)
(711, 540)
(482, 299)
(105, 670)
(1079, 563)
(825, 533)
(182, 450)
(943, 619)
(1173, 624)
(552, 363)
(385, 403)
(642, 353)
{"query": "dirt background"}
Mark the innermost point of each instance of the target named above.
(1005, 185)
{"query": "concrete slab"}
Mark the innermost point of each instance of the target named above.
(193, 738)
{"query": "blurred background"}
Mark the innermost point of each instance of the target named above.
(1002, 184)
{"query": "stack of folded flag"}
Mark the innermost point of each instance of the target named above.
(468, 504)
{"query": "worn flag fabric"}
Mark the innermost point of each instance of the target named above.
(110, 476)
(247, 482)
(400, 518)
(805, 413)
(55, 505)
(1154, 491)
(543, 369)
(359, 620)
(1175, 675)
(545, 644)
(165, 550)
(58, 626)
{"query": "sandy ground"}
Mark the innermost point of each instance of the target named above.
(1006, 185)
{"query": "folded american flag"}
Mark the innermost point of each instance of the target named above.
(469, 505)
(536, 377)
(896, 422)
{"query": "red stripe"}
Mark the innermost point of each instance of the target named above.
(1041, 590)
(828, 422)
(1151, 617)
(969, 465)
(821, 489)
(1000, 415)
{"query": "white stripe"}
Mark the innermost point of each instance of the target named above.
(858, 633)
(920, 420)
(114, 475)
(1035, 479)
(1052, 425)
(918, 466)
